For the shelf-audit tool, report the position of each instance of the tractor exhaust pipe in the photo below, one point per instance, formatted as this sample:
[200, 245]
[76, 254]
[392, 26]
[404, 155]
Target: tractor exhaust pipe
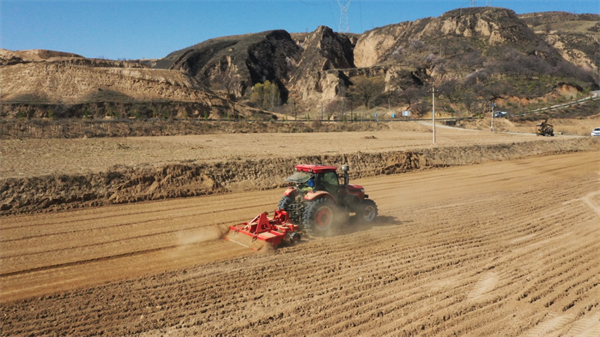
[345, 169]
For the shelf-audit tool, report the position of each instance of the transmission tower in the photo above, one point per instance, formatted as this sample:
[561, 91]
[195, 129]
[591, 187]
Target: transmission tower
[473, 4]
[344, 23]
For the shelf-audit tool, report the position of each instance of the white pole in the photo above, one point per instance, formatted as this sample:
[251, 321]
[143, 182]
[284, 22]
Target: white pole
[321, 110]
[492, 125]
[433, 113]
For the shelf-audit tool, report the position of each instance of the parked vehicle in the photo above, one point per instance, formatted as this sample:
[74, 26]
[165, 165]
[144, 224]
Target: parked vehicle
[544, 129]
[595, 132]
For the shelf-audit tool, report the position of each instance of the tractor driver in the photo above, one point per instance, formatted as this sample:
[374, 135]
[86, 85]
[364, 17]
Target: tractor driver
[310, 185]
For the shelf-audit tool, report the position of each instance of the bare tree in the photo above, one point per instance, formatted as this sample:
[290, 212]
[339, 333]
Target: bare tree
[343, 91]
[412, 95]
[228, 81]
[331, 107]
[422, 108]
[473, 59]
[470, 102]
[416, 45]
[292, 108]
[367, 88]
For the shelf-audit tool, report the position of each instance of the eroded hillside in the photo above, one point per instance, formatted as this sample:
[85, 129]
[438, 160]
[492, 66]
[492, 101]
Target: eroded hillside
[475, 56]
[472, 56]
[41, 83]
[575, 36]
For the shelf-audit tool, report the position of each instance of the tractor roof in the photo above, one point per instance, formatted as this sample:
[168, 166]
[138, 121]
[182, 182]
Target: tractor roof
[315, 168]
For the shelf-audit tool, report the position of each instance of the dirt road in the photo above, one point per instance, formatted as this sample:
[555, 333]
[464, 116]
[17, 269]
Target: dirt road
[503, 248]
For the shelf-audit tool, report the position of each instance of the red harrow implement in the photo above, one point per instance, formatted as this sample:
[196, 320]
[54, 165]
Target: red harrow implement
[262, 230]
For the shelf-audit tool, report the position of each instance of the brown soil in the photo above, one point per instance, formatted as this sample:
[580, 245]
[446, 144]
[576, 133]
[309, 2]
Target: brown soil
[581, 126]
[502, 248]
[52, 174]
[37, 157]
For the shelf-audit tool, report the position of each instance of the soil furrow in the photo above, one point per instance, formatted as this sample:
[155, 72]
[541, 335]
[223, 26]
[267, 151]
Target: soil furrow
[453, 253]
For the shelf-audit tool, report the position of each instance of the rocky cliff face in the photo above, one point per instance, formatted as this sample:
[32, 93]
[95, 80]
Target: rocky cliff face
[302, 64]
[490, 26]
[575, 36]
[236, 63]
[376, 45]
[324, 51]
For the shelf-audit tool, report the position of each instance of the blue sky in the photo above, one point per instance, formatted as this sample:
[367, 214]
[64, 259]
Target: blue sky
[132, 29]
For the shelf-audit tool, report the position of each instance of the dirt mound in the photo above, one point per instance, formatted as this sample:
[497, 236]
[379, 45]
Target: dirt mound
[76, 128]
[132, 184]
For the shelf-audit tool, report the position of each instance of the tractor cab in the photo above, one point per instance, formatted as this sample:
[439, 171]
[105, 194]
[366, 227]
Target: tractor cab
[317, 178]
[320, 198]
[322, 180]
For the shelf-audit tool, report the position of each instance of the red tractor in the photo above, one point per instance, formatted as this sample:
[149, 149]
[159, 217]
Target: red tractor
[318, 201]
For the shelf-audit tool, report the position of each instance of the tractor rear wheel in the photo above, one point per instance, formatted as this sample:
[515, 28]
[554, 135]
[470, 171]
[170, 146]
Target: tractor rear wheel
[286, 204]
[320, 217]
[367, 211]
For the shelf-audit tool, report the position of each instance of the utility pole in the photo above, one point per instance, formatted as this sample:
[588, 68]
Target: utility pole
[321, 110]
[492, 125]
[433, 111]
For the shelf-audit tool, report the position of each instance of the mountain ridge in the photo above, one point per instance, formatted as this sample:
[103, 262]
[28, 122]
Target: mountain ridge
[470, 53]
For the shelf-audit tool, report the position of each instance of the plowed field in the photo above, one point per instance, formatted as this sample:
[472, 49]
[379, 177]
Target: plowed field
[498, 249]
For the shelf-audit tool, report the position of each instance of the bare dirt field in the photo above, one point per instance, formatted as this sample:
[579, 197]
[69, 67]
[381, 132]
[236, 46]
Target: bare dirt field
[507, 248]
[36, 157]
[581, 126]
[46, 175]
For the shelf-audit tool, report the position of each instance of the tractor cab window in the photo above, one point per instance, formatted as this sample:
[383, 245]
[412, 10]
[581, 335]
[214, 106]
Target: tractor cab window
[330, 182]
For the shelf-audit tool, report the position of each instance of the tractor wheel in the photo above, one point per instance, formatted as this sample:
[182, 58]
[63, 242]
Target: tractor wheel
[367, 211]
[285, 204]
[294, 238]
[320, 217]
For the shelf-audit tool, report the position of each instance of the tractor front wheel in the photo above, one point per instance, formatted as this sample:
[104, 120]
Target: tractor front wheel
[367, 211]
[319, 217]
